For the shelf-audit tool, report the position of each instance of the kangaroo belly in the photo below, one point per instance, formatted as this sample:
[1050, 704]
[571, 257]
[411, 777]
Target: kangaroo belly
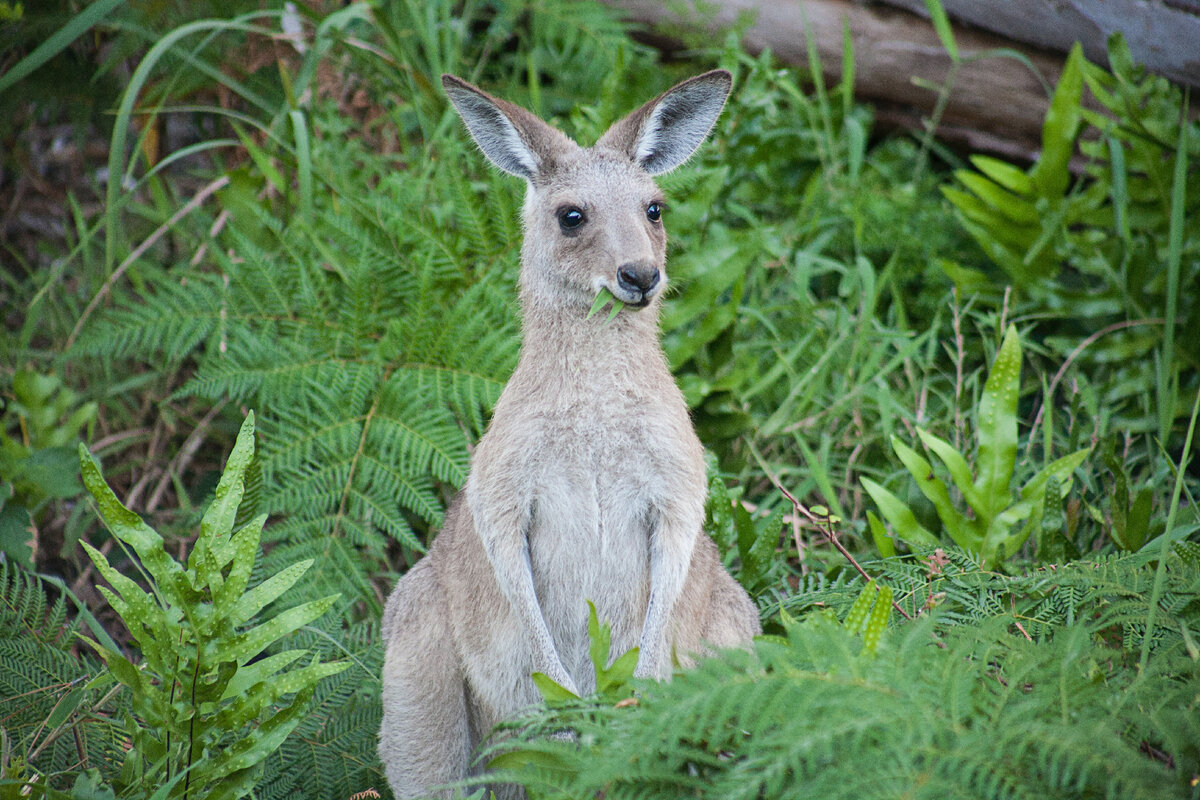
[590, 540]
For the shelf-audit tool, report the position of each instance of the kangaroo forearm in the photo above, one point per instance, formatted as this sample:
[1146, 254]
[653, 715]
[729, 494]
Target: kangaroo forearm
[506, 544]
[671, 548]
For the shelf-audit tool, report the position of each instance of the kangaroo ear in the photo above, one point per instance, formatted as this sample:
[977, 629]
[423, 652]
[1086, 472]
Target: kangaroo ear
[665, 132]
[512, 138]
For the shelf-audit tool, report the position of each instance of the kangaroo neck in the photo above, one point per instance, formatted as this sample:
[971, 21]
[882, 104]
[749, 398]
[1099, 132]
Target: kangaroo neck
[566, 342]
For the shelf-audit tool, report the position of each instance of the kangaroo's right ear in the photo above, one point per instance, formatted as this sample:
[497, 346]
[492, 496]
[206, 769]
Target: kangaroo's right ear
[665, 132]
[512, 138]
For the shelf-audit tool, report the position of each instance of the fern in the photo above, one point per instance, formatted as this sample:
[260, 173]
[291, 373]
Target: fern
[46, 708]
[332, 751]
[985, 713]
[1111, 592]
[1005, 686]
[206, 710]
[376, 341]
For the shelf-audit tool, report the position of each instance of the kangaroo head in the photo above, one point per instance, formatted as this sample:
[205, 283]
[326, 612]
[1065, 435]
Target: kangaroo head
[593, 216]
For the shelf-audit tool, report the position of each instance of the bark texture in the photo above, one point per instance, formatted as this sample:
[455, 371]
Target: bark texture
[998, 101]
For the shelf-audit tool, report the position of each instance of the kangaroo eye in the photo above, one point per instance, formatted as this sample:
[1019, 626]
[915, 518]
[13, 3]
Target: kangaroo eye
[654, 212]
[570, 218]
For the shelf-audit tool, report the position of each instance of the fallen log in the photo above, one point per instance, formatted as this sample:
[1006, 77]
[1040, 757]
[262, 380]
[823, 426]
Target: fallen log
[998, 94]
[1164, 35]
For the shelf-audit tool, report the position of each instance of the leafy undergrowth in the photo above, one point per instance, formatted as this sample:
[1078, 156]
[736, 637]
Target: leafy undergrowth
[937, 709]
[983, 371]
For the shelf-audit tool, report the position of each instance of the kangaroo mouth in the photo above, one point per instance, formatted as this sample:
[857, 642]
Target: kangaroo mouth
[634, 298]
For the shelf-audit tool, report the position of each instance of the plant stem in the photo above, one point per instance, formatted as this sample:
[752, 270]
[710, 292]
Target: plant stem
[824, 526]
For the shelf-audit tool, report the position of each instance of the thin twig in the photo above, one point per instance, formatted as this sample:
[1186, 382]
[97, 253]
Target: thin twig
[1058, 376]
[827, 529]
[960, 357]
[189, 207]
[186, 453]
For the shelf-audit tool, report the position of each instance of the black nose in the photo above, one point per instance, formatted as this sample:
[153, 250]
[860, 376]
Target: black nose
[637, 277]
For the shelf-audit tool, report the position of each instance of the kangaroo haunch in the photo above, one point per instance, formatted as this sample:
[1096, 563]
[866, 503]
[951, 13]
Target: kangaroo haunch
[589, 483]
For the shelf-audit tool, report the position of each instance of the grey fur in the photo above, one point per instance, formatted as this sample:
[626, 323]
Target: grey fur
[589, 483]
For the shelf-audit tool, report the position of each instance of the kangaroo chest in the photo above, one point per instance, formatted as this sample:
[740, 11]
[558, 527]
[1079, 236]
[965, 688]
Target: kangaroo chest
[597, 483]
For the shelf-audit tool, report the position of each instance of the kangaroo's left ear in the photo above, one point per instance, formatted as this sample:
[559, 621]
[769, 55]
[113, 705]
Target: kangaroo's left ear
[665, 132]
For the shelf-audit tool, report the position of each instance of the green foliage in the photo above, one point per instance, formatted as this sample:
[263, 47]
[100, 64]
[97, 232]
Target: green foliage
[603, 298]
[332, 752]
[329, 249]
[754, 540]
[1111, 592]
[377, 337]
[1012, 214]
[612, 680]
[965, 711]
[205, 711]
[1109, 255]
[869, 615]
[47, 707]
[37, 429]
[990, 530]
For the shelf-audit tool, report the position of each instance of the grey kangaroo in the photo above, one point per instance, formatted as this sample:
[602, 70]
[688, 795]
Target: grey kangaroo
[589, 483]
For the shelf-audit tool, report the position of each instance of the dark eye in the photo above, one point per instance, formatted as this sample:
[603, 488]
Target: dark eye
[654, 212]
[570, 218]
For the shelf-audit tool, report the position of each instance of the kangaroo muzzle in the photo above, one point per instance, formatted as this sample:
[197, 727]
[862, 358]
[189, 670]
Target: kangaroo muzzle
[638, 283]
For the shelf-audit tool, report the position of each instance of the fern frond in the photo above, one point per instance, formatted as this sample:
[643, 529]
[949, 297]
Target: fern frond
[39, 673]
[987, 714]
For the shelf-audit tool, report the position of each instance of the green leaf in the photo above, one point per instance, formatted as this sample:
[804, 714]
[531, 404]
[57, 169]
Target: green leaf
[129, 528]
[901, 518]
[256, 744]
[957, 525]
[1061, 468]
[16, 532]
[599, 638]
[1034, 497]
[65, 707]
[1051, 175]
[58, 41]
[262, 695]
[552, 692]
[258, 671]
[255, 640]
[997, 428]
[268, 591]
[1137, 524]
[217, 522]
[52, 471]
[136, 608]
[856, 617]
[244, 547]
[1005, 174]
[883, 541]
[527, 757]
[719, 510]
[1017, 210]
[603, 298]
[877, 622]
[618, 675]
[955, 463]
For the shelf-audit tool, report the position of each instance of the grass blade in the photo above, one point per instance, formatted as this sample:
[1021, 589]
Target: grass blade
[1167, 380]
[941, 24]
[59, 41]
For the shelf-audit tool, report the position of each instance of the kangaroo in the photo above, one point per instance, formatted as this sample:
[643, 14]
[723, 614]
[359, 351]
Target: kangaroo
[589, 483]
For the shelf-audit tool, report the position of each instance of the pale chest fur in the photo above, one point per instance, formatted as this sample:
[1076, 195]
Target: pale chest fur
[598, 457]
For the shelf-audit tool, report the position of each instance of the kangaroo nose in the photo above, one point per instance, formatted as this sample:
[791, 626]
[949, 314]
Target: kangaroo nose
[637, 277]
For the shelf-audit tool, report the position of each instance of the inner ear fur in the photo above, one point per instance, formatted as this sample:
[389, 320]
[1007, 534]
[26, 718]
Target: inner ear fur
[513, 139]
[666, 131]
